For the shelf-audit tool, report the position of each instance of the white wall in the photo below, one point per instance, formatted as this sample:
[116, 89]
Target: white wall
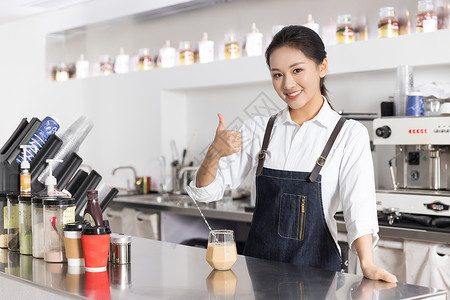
[131, 124]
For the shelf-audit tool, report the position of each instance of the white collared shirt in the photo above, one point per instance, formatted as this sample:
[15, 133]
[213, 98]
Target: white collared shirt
[347, 176]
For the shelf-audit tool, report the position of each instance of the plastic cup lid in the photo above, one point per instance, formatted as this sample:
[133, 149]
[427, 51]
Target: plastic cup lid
[75, 226]
[98, 230]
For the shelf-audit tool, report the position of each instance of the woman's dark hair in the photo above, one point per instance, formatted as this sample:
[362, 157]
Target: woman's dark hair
[303, 39]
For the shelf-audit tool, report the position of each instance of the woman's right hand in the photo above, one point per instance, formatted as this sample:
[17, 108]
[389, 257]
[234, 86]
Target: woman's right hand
[226, 142]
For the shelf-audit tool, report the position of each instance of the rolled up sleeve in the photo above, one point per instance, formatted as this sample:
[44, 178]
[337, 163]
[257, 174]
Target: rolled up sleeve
[357, 187]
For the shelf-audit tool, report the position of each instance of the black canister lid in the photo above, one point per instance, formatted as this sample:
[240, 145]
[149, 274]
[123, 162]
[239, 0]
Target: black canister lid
[2, 196]
[97, 230]
[25, 198]
[57, 201]
[75, 226]
[106, 223]
[36, 200]
[13, 197]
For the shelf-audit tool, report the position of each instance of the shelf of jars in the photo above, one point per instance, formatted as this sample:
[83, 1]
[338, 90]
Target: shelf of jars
[419, 50]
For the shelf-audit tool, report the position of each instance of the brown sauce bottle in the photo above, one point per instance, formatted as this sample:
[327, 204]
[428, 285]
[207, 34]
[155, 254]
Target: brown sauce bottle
[92, 212]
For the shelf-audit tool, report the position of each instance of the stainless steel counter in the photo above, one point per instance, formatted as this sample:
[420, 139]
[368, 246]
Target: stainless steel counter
[183, 204]
[162, 270]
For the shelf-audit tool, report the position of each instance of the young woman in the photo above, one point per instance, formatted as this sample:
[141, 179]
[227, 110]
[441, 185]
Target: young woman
[307, 160]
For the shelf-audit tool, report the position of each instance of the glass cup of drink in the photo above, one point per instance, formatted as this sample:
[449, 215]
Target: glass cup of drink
[221, 253]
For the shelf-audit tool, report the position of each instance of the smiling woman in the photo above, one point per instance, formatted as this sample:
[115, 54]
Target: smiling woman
[307, 160]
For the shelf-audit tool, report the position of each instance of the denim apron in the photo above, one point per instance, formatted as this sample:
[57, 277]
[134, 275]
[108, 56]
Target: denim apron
[288, 223]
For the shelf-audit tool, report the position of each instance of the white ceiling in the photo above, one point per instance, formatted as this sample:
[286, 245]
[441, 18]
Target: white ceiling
[11, 10]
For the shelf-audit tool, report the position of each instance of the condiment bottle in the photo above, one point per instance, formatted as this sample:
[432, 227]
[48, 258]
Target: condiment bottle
[186, 54]
[3, 221]
[388, 24]
[426, 19]
[206, 49]
[25, 175]
[253, 44]
[106, 67]
[145, 60]
[57, 212]
[82, 68]
[92, 213]
[62, 72]
[167, 56]
[232, 48]
[25, 225]
[13, 221]
[311, 24]
[345, 32]
[37, 219]
[122, 62]
[404, 22]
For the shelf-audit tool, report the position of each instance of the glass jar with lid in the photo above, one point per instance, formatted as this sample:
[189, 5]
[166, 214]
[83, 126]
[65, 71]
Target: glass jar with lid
[25, 225]
[345, 32]
[37, 219]
[426, 19]
[57, 212]
[13, 221]
[3, 221]
[186, 54]
[388, 24]
[145, 60]
[232, 48]
[106, 65]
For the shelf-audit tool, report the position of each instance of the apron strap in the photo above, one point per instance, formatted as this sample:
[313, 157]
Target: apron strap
[262, 153]
[323, 157]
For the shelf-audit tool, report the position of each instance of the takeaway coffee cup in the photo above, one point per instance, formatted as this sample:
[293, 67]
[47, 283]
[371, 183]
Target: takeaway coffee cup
[72, 243]
[95, 242]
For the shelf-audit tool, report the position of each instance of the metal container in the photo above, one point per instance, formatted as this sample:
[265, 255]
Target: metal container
[120, 248]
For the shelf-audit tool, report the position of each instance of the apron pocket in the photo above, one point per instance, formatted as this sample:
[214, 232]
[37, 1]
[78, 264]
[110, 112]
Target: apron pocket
[292, 215]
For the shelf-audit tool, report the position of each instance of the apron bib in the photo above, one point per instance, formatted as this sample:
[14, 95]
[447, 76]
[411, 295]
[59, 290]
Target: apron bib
[288, 223]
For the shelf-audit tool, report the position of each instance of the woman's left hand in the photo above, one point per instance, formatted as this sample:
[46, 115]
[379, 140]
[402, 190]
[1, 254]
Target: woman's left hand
[375, 273]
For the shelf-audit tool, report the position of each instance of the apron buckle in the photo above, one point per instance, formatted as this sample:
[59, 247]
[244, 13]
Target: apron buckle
[262, 154]
[321, 160]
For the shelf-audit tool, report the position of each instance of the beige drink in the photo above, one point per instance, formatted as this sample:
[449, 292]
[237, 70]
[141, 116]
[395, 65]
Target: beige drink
[221, 256]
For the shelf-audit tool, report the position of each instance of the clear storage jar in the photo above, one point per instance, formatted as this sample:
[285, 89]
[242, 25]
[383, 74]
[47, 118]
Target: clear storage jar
[37, 220]
[3, 221]
[57, 212]
[388, 24]
[13, 221]
[345, 32]
[25, 225]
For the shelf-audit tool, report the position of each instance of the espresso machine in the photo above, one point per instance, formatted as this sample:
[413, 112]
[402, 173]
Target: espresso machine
[420, 169]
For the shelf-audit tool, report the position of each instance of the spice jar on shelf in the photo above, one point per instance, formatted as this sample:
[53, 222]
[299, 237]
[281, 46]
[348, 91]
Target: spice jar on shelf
[345, 32]
[166, 57]
[25, 225]
[13, 221]
[3, 221]
[232, 48]
[186, 54]
[62, 72]
[388, 24]
[106, 66]
[426, 19]
[205, 49]
[145, 60]
[404, 22]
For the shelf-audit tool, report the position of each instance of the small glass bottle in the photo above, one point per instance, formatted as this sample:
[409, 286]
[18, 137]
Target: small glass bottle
[37, 219]
[232, 48]
[82, 68]
[106, 66]
[57, 212]
[25, 225]
[206, 49]
[311, 24]
[13, 221]
[3, 221]
[253, 43]
[426, 20]
[62, 72]
[388, 24]
[404, 22]
[345, 32]
[145, 60]
[186, 54]
[92, 213]
[166, 57]
[122, 63]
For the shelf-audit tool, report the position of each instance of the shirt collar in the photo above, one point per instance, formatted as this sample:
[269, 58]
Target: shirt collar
[325, 117]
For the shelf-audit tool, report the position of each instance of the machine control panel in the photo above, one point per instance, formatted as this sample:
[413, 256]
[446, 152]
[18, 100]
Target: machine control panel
[412, 130]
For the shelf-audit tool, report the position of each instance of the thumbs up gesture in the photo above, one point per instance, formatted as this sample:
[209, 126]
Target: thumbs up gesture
[226, 142]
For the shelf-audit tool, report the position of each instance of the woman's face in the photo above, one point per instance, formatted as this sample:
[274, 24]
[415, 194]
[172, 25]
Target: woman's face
[296, 78]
